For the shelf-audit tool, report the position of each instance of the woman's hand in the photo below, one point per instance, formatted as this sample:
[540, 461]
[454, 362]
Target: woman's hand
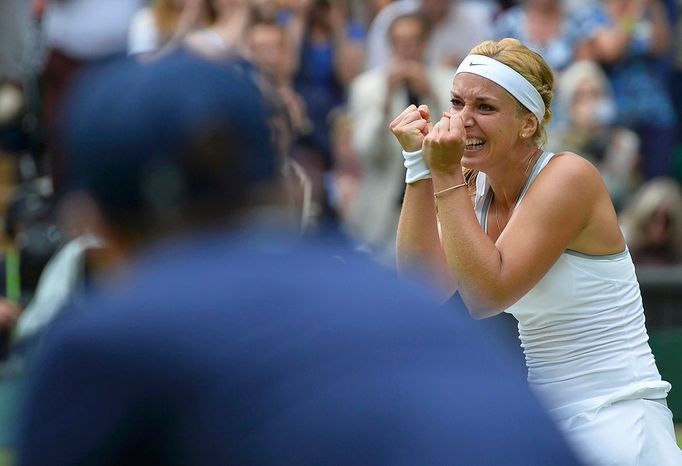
[444, 144]
[411, 126]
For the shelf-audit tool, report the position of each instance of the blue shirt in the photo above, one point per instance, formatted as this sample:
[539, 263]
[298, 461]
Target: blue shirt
[254, 349]
[559, 52]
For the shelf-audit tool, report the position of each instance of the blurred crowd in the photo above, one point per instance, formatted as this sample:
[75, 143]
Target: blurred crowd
[341, 70]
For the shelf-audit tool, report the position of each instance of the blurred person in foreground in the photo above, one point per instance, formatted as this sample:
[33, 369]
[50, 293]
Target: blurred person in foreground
[226, 338]
[76, 33]
[516, 229]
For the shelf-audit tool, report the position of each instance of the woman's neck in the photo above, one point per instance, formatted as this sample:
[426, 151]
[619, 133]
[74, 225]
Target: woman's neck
[508, 182]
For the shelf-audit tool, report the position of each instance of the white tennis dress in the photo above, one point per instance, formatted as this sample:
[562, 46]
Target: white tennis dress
[586, 347]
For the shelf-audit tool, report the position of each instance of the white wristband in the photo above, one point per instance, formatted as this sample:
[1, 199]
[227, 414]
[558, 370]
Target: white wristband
[416, 167]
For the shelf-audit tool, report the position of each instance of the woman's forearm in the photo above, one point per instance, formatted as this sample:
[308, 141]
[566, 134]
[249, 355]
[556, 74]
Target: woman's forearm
[419, 251]
[469, 253]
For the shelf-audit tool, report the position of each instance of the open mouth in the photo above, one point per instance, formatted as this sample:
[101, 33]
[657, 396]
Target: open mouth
[474, 144]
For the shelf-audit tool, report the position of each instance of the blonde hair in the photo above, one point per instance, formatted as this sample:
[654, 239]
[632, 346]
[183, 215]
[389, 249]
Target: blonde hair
[531, 66]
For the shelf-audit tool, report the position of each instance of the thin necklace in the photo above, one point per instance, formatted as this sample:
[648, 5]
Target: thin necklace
[497, 206]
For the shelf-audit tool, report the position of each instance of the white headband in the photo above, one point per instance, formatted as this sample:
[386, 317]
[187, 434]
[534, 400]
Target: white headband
[508, 78]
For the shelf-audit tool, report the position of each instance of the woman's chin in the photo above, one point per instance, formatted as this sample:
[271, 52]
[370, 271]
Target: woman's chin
[470, 162]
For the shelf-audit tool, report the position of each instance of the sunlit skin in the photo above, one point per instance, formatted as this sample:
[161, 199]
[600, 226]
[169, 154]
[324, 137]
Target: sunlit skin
[485, 111]
[568, 206]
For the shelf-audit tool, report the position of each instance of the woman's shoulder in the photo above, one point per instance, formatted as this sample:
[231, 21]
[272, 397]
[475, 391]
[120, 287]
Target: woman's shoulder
[573, 162]
[572, 172]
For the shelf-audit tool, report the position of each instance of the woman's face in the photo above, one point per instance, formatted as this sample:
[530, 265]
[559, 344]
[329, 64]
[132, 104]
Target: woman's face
[491, 120]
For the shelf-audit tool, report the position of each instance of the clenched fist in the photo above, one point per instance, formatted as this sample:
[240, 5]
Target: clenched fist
[411, 126]
[444, 144]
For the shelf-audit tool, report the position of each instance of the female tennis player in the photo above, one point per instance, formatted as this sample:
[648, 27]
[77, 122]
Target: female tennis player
[541, 242]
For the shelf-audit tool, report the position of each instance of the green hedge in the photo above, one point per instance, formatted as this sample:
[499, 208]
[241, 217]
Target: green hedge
[667, 348]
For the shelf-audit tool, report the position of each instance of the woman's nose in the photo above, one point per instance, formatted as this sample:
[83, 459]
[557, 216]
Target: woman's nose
[467, 116]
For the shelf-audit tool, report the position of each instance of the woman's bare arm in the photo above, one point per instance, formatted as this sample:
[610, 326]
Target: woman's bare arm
[556, 213]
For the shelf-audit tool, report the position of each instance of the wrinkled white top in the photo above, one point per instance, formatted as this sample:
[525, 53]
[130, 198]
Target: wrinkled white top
[582, 328]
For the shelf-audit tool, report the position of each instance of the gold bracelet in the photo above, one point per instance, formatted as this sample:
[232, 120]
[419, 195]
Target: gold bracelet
[438, 193]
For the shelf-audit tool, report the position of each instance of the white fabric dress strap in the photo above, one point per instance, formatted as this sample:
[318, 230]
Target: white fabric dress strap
[484, 193]
[540, 163]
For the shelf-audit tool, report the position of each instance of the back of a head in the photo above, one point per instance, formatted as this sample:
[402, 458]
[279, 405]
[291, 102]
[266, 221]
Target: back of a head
[166, 145]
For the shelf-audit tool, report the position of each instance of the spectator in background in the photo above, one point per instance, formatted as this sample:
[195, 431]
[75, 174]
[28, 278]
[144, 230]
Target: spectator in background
[224, 38]
[375, 97]
[30, 238]
[18, 61]
[222, 342]
[268, 48]
[347, 172]
[164, 24]
[634, 46]
[548, 27]
[327, 53]
[328, 43]
[20, 129]
[585, 99]
[372, 9]
[675, 88]
[456, 26]
[266, 10]
[652, 223]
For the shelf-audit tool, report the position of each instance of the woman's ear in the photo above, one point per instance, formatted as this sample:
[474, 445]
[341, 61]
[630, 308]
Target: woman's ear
[529, 126]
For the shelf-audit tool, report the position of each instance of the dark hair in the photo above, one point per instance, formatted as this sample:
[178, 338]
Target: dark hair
[169, 143]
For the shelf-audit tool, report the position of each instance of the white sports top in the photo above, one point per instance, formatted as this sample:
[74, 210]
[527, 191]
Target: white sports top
[582, 327]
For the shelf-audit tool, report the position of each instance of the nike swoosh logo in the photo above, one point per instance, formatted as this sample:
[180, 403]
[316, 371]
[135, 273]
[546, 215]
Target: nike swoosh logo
[475, 64]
